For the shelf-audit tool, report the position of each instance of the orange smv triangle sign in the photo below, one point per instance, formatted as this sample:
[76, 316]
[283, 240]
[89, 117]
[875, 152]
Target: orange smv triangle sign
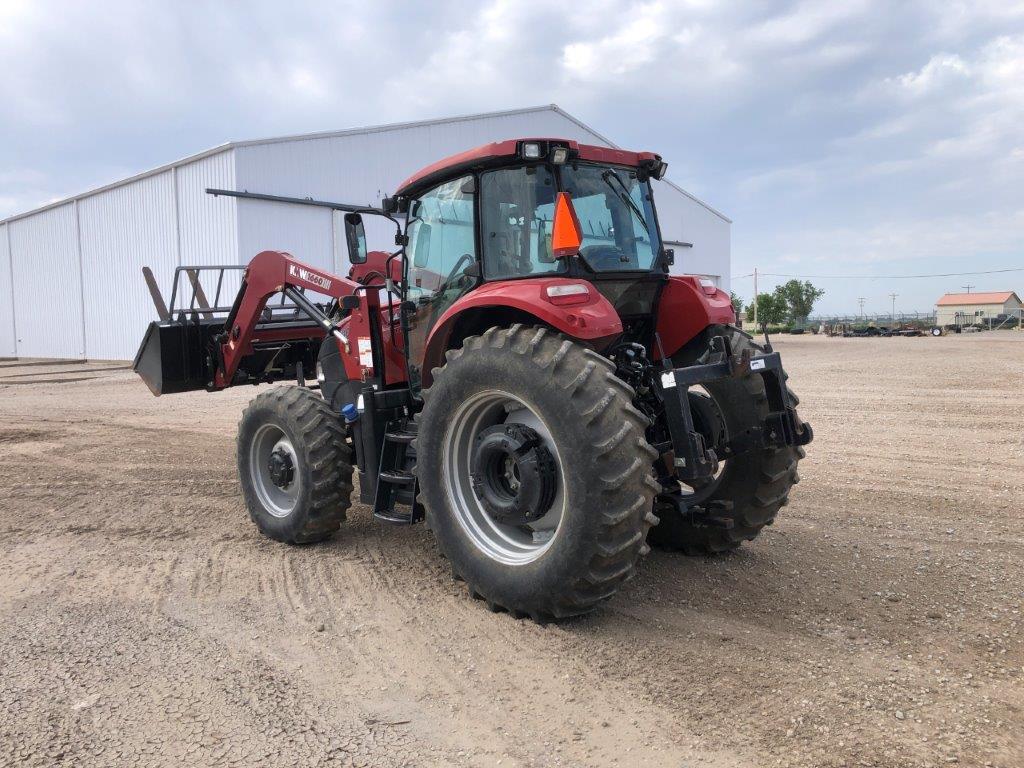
[566, 233]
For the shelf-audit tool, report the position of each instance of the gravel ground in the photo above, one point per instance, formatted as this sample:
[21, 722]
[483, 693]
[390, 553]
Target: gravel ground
[143, 621]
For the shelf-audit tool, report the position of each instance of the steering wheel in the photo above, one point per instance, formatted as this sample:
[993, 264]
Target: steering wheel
[451, 275]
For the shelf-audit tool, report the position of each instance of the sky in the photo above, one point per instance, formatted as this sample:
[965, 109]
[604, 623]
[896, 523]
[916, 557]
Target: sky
[851, 140]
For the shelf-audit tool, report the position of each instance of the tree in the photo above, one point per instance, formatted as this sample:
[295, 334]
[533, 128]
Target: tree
[798, 299]
[771, 309]
[737, 302]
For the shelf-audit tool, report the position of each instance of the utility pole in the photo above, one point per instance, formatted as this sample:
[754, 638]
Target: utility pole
[861, 302]
[968, 287]
[755, 300]
[893, 297]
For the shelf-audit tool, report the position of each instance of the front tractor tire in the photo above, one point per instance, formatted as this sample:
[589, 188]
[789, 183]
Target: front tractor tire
[534, 472]
[751, 488]
[294, 465]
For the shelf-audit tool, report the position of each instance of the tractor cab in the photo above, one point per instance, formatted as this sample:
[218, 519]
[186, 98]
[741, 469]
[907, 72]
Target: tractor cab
[531, 210]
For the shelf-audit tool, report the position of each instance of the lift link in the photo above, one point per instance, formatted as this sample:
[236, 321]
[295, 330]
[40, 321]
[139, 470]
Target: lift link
[692, 458]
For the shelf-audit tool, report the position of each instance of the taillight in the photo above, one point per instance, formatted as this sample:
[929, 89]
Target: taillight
[708, 286]
[573, 293]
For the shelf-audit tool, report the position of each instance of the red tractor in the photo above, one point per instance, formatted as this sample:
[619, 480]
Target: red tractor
[523, 373]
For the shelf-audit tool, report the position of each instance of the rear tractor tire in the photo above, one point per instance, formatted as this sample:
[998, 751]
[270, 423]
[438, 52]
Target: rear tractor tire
[294, 465]
[534, 472]
[750, 488]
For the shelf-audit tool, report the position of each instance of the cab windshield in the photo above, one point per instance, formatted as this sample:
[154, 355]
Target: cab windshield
[614, 208]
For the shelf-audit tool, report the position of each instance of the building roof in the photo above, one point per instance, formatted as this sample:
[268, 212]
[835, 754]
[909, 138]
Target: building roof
[989, 297]
[346, 132]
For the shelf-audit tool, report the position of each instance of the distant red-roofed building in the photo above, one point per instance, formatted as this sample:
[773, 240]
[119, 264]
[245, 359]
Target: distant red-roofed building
[980, 306]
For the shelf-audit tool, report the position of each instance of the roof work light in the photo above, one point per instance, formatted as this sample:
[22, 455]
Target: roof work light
[531, 150]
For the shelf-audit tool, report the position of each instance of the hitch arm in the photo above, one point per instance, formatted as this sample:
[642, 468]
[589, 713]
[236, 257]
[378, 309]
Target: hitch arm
[692, 457]
[272, 272]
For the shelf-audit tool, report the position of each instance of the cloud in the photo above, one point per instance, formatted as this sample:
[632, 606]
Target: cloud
[806, 23]
[634, 44]
[956, 108]
[938, 72]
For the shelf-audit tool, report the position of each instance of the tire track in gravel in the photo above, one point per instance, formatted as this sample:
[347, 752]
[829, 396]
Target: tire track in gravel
[459, 671]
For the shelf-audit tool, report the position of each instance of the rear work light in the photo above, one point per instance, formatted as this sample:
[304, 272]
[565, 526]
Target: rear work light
[559, 155]
[708, 286]
[573, 293]
[531, 150]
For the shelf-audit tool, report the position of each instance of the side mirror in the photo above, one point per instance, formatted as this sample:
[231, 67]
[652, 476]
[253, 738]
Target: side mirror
[355, 237]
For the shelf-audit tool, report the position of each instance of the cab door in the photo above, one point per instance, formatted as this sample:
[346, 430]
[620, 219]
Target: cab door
[441, 248]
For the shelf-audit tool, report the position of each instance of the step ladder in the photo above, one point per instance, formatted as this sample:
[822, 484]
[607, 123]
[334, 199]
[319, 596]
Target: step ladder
[396, 478]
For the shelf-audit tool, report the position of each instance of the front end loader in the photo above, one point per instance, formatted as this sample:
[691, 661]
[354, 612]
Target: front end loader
[522, 372]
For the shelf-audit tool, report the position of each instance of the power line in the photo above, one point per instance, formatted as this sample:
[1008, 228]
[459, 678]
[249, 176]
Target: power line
[883, 277]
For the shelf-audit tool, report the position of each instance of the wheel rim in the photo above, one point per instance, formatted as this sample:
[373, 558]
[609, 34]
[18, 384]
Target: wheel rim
[277, 494]
[509, 544]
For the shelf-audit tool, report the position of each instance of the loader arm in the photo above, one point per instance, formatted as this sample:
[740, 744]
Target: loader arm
[272, 272]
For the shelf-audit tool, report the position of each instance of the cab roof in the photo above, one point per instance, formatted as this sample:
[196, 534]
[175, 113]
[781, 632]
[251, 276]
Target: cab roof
[488, 154]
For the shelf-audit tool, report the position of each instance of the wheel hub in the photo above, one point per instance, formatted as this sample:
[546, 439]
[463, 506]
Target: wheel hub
[281, 467]
[513, 474]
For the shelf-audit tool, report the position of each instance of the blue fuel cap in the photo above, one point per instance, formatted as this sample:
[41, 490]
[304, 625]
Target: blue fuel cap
[350, 412]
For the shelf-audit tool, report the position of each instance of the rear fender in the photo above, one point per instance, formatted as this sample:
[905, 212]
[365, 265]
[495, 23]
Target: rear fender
[593, 322]
[685, 310]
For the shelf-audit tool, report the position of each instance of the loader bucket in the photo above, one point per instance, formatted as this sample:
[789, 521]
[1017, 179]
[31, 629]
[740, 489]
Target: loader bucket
[182, 351]
[173, 357]
[175, 352]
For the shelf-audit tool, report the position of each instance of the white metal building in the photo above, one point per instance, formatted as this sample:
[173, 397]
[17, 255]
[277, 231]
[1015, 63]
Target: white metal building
[72, 269]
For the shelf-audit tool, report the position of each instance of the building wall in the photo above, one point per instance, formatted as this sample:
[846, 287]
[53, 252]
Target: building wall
[685, 220]
[208, 225]
[946, 315]
[122, 230]
[86, 258]
[7, 346]
[47, 284]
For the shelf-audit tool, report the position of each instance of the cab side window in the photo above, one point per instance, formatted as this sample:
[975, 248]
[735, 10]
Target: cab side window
[441, 238]
[442, 246]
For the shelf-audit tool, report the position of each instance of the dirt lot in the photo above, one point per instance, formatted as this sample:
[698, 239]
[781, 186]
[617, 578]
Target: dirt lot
[143, 621]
